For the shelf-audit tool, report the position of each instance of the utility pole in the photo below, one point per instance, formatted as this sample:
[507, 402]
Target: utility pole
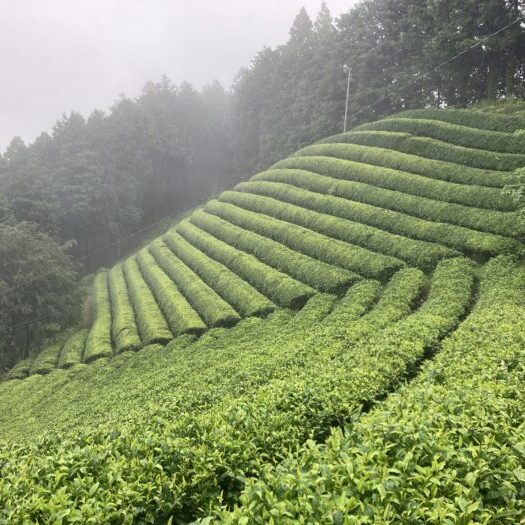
[348, 70]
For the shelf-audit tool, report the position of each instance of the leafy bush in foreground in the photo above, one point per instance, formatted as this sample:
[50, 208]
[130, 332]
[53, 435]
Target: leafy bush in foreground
[161, 466]
[447, 448]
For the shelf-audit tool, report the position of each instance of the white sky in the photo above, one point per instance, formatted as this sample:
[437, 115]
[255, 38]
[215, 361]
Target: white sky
[63, 55]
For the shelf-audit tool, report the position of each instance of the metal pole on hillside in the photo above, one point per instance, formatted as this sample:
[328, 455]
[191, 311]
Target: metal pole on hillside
[348, 70]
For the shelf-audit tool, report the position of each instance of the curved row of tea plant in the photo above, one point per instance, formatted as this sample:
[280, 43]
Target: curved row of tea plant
[411, 163]
[413, 252]
[432, 149]
[300, 265]
[302, 240]
[237, 292]
[385, 201]
[470, 118]
[472, 196]
[338, 201]
[497, 141]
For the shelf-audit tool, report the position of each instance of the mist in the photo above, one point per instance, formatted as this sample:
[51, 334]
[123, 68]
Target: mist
[64, 55]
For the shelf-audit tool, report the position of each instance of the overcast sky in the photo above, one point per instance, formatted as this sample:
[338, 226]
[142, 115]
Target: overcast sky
[63, 55]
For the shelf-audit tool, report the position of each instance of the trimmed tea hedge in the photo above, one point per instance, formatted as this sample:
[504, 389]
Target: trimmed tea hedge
[491, 221]
[73, 349]
[203, 299]
[124, 328]
[151, 323]
[470, 118]
[397, 301]
[282, 289]
[452, 133]
[432, 148]
[418, 253]
[181, 317]
[21, 370]
[98, 343]
[434, 169]
[300, 240]
[47, 360]
[334, 200]
[237, 292]
[473, 196]
[317, 274]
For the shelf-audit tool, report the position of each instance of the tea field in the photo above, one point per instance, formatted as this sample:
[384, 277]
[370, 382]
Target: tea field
[339, 339]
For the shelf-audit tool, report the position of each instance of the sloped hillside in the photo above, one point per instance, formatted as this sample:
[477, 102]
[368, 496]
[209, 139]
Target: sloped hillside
[407, 191]
[339, 339]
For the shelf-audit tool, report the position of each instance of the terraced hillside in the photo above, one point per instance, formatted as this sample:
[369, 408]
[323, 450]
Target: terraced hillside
[407, 191]
[339, 339]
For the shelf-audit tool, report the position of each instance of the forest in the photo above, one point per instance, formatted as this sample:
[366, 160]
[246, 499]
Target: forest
[73, 200]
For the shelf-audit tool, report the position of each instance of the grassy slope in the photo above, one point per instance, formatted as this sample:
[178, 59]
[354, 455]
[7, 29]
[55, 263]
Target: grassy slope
[185, 430]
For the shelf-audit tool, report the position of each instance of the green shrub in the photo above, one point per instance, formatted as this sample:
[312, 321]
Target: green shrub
[21, 370]
[282, 289]
[470, 118]
[422, 254]
[151, 324]
[317, 274]
[203, 299]
[73, 349]
[237, 292]
[349, 200]
[473, 196]
[301, 240]
[179, 314]
[399, 297]
[98, 342]
[432, 149]
[47, 360]
[411, 163]
[124, 328]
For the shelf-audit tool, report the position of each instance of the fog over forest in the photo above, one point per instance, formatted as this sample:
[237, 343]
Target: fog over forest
[62, 55]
